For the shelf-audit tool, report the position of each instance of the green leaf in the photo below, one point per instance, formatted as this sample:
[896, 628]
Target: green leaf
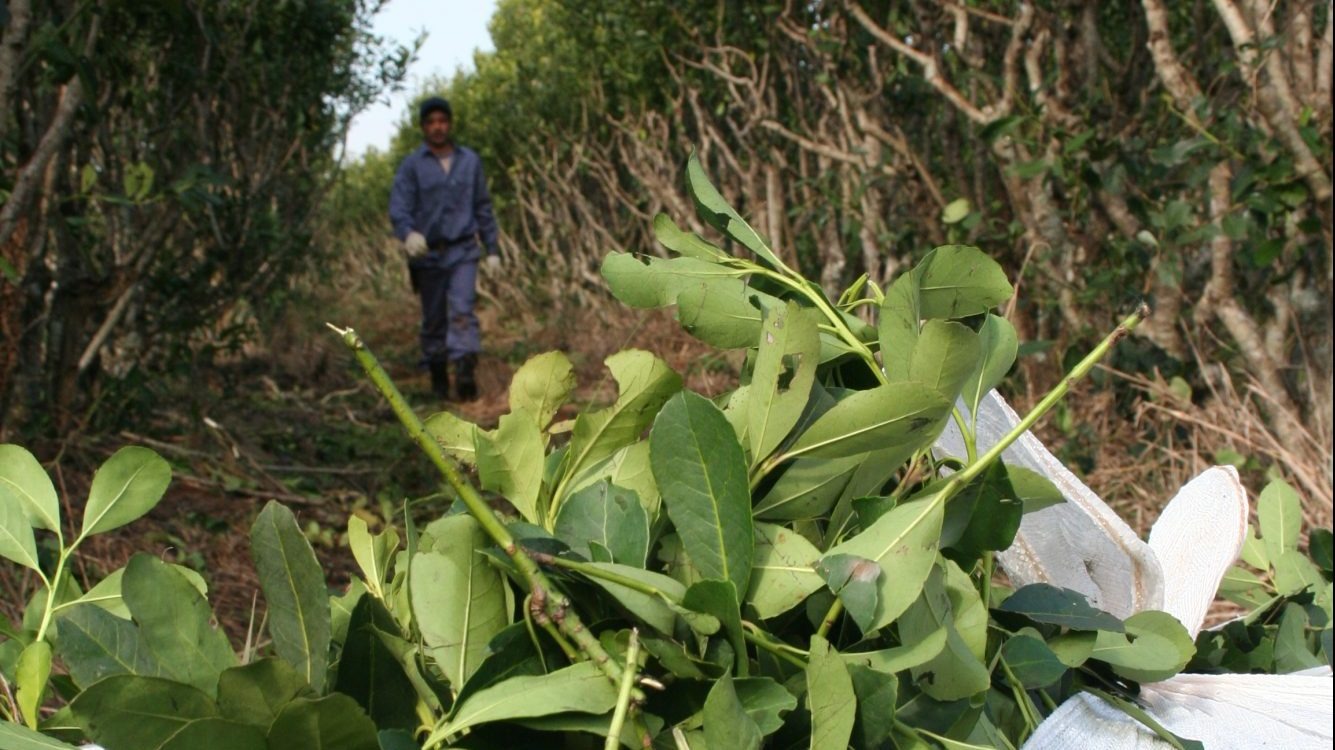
[726, 724]
[765, 701]
[1154, 647]
[216, 734]
[955, 211]
[590, 724]
[949, 601]
[701, 473]
[1034, 490]
[1294, 572]
[652, 610]
[944, 356]
[628, 468]
[1045, 603]
[30, 675]
[107, 592]
[853, 579]
[16, 537]
[255, 693]
[369, 673]
[904, 543]
[510, 460]
[1029, 169]
[95, 643]
[727, 314]
[808, 487]
[18, 737]
[645, 383]
[1280, 513]
[716, 212]
[1031, 661]
[689, 244]
[334, 721]
[24, 478]
[877, 694]
[784, 573]
[126, 711]
[830, 698]
[896, 414]
[374, 553]
[998, 347]
[1292, 653]
[956, 281]
[899, 325]
[542, 386]
[1074, 647]
[897, 659]
[648, 282]
[454, 435]
[984, 516]
[781, 379]
[581, 688]
[458, 600]
[174, 624]
[1253, 551]
[718, 599]
[295, 590]
[124, 488]
[1319, 548]
[513, 653]
[607, 515]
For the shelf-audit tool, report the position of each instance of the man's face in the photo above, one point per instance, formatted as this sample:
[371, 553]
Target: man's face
[436, 129]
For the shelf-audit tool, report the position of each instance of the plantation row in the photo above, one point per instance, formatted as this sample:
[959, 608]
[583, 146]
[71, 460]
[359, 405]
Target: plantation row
[808, 560]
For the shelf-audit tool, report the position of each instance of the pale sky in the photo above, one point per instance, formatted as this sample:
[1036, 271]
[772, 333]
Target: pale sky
[455, 29]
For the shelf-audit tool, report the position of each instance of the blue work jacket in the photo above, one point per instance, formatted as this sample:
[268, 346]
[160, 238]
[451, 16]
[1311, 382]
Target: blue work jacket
[444, 208]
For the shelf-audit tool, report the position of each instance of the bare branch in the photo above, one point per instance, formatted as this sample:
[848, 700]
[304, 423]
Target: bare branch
[931, 70]
[57, 133]
[1274, 94]
[1179, 82]
[1324, 58]
[11, 49]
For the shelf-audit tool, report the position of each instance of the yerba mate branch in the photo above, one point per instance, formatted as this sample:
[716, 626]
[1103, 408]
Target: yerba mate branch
[963, 477]
[554, 604]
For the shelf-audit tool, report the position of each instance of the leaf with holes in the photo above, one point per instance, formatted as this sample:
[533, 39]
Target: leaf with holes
[781, 379]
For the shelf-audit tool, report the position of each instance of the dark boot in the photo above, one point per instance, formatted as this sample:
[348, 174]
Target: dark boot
[440, 380]
[463, 372]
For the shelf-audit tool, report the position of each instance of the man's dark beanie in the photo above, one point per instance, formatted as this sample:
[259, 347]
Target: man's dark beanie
[434, 104]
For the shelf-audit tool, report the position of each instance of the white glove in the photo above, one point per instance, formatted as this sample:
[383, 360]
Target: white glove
[493, 263]
[415, 245]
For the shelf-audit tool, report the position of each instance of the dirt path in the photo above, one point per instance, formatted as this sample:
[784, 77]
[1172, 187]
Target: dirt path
[295, 421]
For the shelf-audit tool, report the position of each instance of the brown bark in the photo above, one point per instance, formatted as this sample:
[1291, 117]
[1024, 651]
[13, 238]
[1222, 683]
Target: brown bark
[53, 140]
[1220, 301]
[1274, 94]
[11, 53]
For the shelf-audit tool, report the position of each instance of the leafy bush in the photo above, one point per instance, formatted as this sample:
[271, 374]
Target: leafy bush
[799, 562]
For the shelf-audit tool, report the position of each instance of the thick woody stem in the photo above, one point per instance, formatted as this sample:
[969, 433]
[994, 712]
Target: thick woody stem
[1222, 302]
[1274, 94]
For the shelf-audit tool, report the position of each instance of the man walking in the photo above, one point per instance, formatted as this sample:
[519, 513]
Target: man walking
[439, 205]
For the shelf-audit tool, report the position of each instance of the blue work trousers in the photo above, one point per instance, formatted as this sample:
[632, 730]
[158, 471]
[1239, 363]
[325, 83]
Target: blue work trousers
[446, 280]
